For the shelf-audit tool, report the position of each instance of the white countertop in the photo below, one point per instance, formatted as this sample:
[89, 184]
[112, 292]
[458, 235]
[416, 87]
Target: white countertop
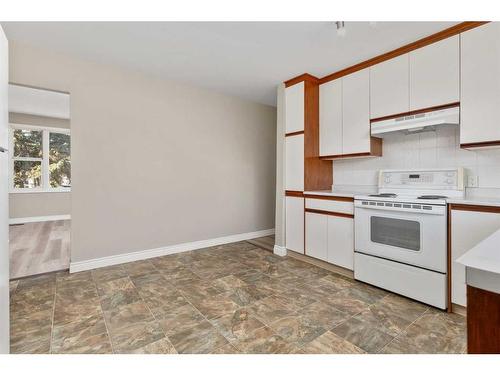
[485, 256]
[481, 201]
[335, 193]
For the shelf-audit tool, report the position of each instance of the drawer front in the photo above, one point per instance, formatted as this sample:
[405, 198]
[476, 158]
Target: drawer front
[330, 205]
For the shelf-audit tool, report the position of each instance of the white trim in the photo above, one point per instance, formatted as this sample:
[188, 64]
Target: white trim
[51, 129]
[34, 191]
[161, 251]
[280, 250]
[36, 219]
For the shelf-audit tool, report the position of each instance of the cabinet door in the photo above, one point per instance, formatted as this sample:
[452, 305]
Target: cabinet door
[389, 87]
[467, 230]
[294, 108]
[480, 84]
[330, 118]
[294, 162]
[317, 236]
[356, 112]
[294, 224]
[435, 74]
[341, 241]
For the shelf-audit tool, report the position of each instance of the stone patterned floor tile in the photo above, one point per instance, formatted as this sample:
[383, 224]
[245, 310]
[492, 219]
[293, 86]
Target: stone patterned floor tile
[364, 334]
[30, 333]
[162, 346]
[215, 306]
[233, 298]
[199, 339]
[108, 273]
[238, 325]
[85, 336]
[298, 329]
[326, 315]
[264, 341]
[226, 349]
[330, 343]
[270, 309]
[117, 292]
[179, 319]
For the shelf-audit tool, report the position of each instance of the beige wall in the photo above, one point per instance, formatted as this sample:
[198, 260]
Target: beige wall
[155, 163]
[38, 204]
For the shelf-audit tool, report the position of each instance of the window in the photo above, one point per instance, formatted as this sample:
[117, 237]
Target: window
[41, 159]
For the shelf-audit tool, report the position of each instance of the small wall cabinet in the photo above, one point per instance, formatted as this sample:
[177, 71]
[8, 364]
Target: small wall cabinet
[330, 118]
[435, 74]
[344, 113]
[480, 86]
[294, 108]
[390, 87]
[468, 228]
[294, 227]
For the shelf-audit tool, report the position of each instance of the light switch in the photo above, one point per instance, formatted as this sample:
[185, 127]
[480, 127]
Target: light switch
[473, 181]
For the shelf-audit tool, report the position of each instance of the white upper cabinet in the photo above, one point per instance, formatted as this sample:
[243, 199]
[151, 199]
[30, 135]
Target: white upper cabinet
[480, 84]
[435, 74]
[390, 87]
[330, 118]
[356, 112]
[294, 108]
[294, 162]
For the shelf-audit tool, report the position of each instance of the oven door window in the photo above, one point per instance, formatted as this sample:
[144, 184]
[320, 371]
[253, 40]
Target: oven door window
[395, 232]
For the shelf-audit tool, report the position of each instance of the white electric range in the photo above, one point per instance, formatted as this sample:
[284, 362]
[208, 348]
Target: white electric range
[401, 232]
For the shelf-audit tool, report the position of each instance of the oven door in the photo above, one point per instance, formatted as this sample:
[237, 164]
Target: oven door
[413, 238]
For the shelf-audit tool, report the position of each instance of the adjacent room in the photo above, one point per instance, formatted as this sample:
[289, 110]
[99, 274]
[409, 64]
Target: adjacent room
[164, 191]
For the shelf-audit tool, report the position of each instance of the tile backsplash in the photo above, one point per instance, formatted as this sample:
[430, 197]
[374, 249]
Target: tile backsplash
[434, 149]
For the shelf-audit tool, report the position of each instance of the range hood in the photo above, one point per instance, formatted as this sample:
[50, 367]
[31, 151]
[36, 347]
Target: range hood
[415, 123]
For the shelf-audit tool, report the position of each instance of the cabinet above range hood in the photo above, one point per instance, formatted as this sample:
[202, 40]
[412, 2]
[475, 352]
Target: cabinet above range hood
[415, 123]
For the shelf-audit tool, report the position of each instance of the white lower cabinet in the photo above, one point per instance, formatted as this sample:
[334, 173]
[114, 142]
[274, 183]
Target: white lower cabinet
[468, 228]
[317, 236]
[341, 241]
[330, 238]
[294, 227]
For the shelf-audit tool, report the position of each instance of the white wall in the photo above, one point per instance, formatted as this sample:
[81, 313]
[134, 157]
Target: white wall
[156, 163]
[423, 150]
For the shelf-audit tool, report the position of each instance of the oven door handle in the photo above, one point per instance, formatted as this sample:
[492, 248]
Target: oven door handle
[436, 210]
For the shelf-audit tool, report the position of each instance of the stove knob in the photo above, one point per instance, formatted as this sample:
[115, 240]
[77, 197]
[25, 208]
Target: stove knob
[449, 181]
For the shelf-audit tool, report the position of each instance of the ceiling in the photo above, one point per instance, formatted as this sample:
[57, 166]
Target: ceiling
[245, 59]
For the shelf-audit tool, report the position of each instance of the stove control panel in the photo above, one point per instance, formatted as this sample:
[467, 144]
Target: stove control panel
[449, 179]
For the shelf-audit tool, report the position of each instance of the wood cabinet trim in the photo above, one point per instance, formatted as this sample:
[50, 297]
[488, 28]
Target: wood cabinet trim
[483, 321]
[480, 144]
[300, 132]
[375, 150]
[433, 38]
[301, 78]
[294, 193]
[417, 111]
[329, 198]
[331, 213]
[473, 208]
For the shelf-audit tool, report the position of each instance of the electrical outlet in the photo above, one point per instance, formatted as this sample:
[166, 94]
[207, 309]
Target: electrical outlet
[472, 181]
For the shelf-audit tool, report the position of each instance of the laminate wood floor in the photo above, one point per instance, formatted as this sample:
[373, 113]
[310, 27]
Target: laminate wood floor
[37, 248]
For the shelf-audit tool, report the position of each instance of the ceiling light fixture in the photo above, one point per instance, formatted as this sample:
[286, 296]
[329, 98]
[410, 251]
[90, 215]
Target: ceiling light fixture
[340, 28]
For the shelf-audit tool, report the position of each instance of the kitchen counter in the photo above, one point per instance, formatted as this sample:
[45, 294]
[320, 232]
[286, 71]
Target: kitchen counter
[338, 193]
[479, 201]
[482, 264]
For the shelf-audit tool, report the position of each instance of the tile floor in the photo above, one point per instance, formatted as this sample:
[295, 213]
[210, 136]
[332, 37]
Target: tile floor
[234, 298]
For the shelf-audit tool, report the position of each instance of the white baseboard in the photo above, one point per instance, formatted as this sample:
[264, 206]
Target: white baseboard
[36, 219]
[280, 250]
[173, 249]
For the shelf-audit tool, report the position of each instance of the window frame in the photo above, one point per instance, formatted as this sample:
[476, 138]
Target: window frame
[45, 185]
